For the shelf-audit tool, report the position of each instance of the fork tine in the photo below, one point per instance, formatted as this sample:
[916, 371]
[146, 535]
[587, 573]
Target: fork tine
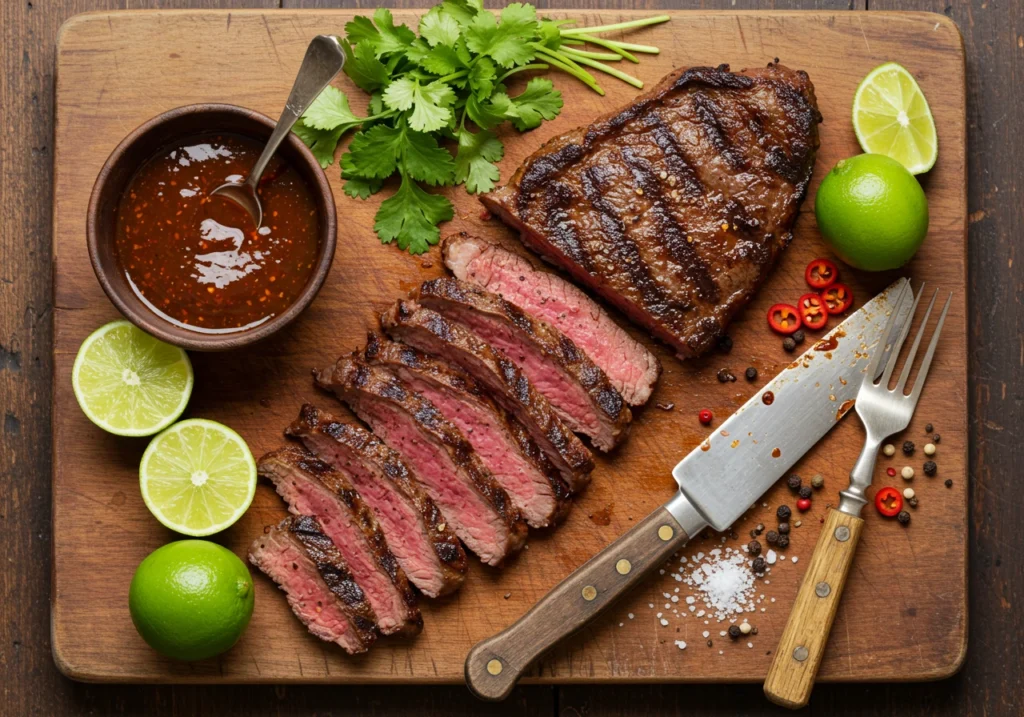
[923, 373]
[905, 373]
[902, 337]
[890, 326]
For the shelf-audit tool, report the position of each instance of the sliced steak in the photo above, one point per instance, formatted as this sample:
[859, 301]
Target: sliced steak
[479, 509]
[502, 443]
[311, 487]
[676, 207]
[577, 389]
[429, 331]
[320, 588]
[418, 534]
[631, 368]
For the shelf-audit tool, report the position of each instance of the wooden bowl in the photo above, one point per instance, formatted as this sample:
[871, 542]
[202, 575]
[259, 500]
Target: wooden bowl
[145, 142]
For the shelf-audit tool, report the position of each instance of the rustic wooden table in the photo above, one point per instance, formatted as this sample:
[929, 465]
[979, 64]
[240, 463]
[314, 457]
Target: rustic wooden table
[989, 683]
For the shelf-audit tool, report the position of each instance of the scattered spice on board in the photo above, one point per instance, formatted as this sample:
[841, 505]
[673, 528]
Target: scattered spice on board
[949, 483]
[772, 537]
[783, 528]
[751, 373]
[754, 548]
[798, 336]
[794, 482]
[929, 449]
[907, 473]
[788, 344]
[936, 438]
[783, 512]
[783, 542]
[908, 448]
[726, 376]
[817, 481]
[666, 406]
[903, 517]
[889, 449]
[928, 428]
[930, 468]
[890, 471]
[805, 491]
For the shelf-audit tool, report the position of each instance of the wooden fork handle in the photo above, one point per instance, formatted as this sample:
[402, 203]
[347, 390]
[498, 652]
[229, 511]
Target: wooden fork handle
[494, 665]
[791, 676]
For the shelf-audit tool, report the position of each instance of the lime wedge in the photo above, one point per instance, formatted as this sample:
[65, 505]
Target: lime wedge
[129, 383]
[198, 477]
[891, 117]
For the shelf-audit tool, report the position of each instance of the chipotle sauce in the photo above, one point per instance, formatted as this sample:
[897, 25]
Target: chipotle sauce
[199, 261]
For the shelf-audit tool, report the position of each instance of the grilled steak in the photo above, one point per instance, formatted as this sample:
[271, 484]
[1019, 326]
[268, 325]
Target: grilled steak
[675, 208]
[429, 331]
[320, 589]
[579, 392]
[424, 545]
[311, 487]
[502, 443]
[479, 509]
[631, 368]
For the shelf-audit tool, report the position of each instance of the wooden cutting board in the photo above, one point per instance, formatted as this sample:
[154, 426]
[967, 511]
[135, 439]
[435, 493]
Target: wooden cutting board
[904, 613]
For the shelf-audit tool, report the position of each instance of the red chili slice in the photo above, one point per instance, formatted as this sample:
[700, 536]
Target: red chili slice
[783, 319]
[812, 311]
[821, 273]
[837, 298]
[888, 501]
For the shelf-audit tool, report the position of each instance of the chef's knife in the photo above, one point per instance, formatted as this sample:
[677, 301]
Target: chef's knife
[718, 481]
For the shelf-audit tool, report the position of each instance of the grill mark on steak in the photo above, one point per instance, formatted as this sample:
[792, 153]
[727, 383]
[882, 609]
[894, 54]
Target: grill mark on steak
[548, 166]
[708, 113]
[483, 516]
[431, 332]
[556, 198]
[675, 158]
[423, 543]
[311, 487]
[577, 389]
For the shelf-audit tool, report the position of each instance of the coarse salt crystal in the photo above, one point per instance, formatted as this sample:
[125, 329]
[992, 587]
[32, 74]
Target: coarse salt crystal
[680, 644]
[630, 616]
[795, 558]
[706, 634]
[770, 557]
[664, 622]
[690, 599]
[750, 644]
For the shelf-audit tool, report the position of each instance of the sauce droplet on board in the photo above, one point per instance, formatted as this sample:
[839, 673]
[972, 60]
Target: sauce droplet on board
[845, 408]
[767, 398]
[776, 453]
[603, 516]
[827, 344]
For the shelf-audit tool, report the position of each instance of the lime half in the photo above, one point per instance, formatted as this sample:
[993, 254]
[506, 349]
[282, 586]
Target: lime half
[198, 477]
[891, 117]
[128, 382]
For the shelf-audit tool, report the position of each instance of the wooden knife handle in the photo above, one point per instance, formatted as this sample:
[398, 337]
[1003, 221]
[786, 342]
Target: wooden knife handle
[494, 665]
[791, 676]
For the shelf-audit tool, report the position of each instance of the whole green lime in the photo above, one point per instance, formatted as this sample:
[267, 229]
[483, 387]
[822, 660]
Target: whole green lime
[191, 599]
[872, 212]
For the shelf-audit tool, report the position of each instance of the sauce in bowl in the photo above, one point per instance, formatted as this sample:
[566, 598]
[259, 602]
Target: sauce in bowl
[198, 261]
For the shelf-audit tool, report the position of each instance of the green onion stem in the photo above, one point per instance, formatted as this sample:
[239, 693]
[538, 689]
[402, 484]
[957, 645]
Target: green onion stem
[534, 66]
[611, 71]
[567, 65]
[617, 45]
[608, 56]
[613, 46]
[632, 24]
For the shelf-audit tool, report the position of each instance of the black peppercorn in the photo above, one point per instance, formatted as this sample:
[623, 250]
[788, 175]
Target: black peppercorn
[794, 482]
[789, 344]
[936, 438]
[772, 537]
[949, 483]
[725, 344]
[760, 528]
[912, 502]
[759, 565]
[783, 512]
[751, 373]
[928, 428]
[783, 542]
[805, 491]
[710, 643]
[903, 517]
[754, 548]
[908, 448]
[798, 336]
[734, 632]
[930, 468]
[783, 528]
[725, 376]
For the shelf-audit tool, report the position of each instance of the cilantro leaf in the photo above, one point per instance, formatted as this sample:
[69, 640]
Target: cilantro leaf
[411, 216]
[321, 143]
[330, 111]
[440, 60]
[508, 43]
[374, 153]
[425, 160]
[362, 65]
[490, 113]
[474, 161]
[539, 101]
[439, 28]
[361, 28]
[429, 103]
[391, 38]
[359, 188]
[482, 76]
[463, 10]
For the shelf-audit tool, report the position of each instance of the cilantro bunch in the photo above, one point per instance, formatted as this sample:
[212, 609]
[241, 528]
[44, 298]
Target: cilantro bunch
[445, 88]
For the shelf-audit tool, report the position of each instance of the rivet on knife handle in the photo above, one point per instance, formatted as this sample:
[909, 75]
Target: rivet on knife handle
[494, 665]
[791, 676]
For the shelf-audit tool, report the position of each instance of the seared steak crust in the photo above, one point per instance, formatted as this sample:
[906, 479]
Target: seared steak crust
[675, 208]
[631, 368]
[577, 389]
[312, 487]
[484, 516]
[424, 545]
[500, 440]
[429, 331]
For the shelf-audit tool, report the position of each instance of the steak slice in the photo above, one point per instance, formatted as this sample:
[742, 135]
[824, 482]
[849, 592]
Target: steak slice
[424, 545]
[311, 487]
[429, 331]
[676, 207]
[579, 392]
[632, 369]
[502, 443]
[321, 591]
[483, 515]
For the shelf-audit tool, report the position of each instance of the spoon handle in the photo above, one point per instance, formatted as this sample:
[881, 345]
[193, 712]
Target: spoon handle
[324, 59]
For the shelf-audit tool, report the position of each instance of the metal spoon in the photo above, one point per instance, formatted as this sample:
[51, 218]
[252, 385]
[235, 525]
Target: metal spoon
[324, 59]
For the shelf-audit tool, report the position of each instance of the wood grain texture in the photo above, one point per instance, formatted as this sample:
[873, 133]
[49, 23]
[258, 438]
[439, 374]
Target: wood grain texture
[103, 530]
[988, 684]
[791, 675]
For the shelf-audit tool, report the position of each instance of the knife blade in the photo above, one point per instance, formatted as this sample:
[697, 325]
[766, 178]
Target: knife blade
[718, 481]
